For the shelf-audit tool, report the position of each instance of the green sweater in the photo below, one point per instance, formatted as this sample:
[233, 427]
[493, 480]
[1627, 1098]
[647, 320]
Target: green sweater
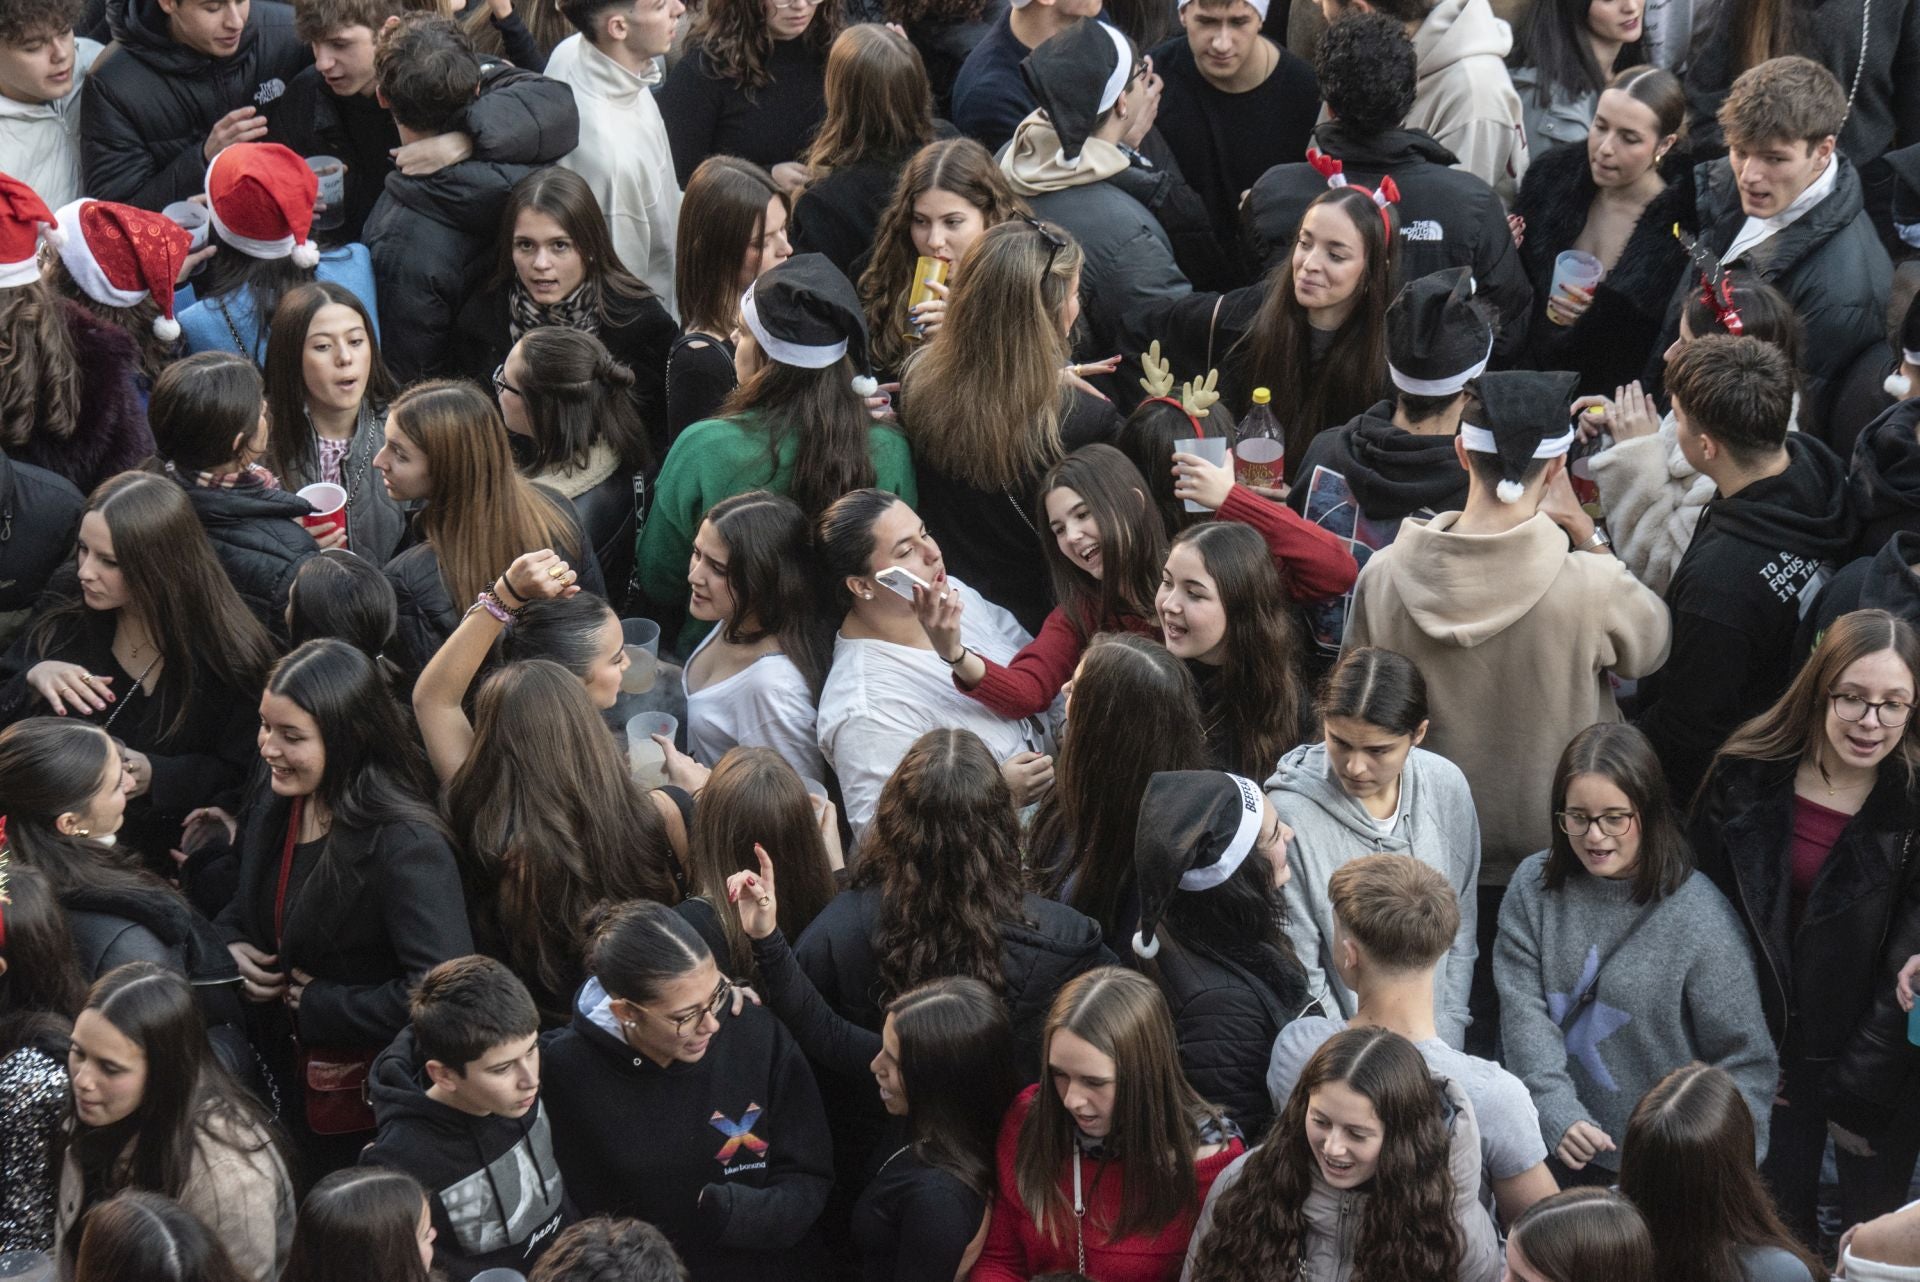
[716, 459]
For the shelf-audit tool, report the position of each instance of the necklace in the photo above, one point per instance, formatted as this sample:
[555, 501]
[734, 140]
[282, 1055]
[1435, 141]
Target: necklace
[139, 684]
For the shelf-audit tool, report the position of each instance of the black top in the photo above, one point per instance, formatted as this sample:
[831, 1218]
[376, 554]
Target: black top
[990, 96]
[709, 115]
[256, 533]
[39, 517]
[700, 376]
[1883, 581]
[838, 215]
[914, 1221]
[1393, 473]
[1883, 478]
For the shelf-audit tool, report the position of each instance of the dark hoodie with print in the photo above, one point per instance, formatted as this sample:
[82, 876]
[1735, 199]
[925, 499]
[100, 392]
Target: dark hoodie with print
[1883, 480]
[493, 1188]
[1757, 560]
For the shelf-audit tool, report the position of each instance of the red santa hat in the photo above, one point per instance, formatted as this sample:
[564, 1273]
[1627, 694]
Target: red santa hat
[25, 221]
[119, 255]
[261, 196]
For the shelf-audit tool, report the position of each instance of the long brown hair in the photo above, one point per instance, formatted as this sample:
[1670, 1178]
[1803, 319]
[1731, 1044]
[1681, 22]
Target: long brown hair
[754, 796]
[211, 643]
[1623, 756]
[1406, 1232]
[774, 577]
[1133, 542]
[564, 196]
[292, 451]
[1310, 396]
[39, 373]
[482, 512]
[983, 404]
[826, 418]
[879, 103]
[156, 353]
[734, 36]
[1687, 1162]
[944, 849]
[722, 213]
[959, 165]
[1584, 1235]
[1157, 1116]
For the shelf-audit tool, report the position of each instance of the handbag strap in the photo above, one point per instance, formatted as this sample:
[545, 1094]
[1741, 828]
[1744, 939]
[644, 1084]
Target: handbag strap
[1212, 322]
[1591, 993]
[286, 874]
[1079, 1216]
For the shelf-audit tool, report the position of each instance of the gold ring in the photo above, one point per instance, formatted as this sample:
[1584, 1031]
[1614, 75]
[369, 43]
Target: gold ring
[556, 571]
[765, 900]
[87, 677]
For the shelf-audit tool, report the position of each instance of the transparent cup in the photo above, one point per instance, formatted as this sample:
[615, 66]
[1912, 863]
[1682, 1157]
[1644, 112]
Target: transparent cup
[647, 760]
[641, 640]
[1211, 448]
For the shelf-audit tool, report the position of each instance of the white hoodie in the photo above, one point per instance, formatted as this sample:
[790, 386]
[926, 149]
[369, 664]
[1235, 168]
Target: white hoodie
[1465, 97]
[40, 142]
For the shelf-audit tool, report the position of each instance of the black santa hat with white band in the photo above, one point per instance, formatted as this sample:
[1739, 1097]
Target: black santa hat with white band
[1437, 339]
[1076, 76]
[1524, 419]
[1196, 828]
[1897, 384]
[805, 313]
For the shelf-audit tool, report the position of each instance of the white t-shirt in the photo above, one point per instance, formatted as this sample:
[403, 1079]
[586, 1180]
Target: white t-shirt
[764, 705]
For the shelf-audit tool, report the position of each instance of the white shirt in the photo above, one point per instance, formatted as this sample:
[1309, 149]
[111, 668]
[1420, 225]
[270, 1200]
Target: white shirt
[1756, 230]
[40, 142]
[764, 705]
[880, 697]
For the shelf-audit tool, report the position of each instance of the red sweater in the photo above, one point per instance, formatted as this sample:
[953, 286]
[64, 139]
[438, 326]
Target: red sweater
[1015, 1250]
[1314, 565]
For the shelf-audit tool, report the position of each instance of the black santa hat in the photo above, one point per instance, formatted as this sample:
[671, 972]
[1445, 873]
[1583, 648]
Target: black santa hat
[805, 312]
[1196, 828]
[1905, 164]
[1524, 418]
[1437, 339]
[1898, 385]
[1075, 75]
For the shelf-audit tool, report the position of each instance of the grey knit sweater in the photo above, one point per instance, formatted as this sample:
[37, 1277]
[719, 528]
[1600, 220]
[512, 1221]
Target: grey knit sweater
[1682, 988]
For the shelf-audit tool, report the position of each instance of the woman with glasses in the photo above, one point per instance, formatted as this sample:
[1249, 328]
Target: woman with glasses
[1806, 823]
[676, 1103]
[1617, 962]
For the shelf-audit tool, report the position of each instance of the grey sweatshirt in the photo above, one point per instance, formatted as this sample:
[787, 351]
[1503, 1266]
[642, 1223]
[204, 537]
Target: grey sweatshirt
[1436, 824]
[1683, 988]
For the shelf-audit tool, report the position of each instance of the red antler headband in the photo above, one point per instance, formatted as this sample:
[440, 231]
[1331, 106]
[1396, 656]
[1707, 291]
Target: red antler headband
[1385, 196]
[1716, 285]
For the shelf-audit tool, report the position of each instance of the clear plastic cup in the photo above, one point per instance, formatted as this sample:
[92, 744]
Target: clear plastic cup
[195, 217]
[642, 644]
[1577, 268]
[1211, 448]
[332, 173]
[647, 760]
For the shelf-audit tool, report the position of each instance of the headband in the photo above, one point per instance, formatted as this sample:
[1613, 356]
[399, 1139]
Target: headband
[1122, 70]
[1481, 441]
[1238, 849]
[1440, 386]
[1385, 196]
[1716, 288]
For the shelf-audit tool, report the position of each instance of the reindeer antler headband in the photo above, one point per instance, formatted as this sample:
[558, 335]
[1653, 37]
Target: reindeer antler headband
[1716, 285]
[1385, 196]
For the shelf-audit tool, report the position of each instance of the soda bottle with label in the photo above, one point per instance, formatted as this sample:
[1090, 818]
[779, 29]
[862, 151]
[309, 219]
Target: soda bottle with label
[1260, 455]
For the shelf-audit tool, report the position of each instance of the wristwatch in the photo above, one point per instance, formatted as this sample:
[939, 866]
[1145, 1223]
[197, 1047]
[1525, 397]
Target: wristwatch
[1595, 542]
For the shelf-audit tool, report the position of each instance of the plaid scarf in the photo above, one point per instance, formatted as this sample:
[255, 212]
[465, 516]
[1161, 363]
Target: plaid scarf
[578, 310]
[251, 477]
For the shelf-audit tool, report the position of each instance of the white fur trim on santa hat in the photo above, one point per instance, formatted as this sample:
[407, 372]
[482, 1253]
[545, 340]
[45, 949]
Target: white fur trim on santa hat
[77, 254]
[27, 270]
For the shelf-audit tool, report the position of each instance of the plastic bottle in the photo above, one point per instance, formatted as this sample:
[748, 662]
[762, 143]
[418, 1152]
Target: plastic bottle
[1261, 454]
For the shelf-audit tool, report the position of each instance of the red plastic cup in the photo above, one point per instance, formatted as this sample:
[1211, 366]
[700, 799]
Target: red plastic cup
[329, 503]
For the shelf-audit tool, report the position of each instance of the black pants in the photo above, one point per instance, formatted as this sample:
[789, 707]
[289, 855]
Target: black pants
[1483, 1003]
[1869, 1186]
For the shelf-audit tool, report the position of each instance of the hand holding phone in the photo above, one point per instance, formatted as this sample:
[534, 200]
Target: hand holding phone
[901, 580]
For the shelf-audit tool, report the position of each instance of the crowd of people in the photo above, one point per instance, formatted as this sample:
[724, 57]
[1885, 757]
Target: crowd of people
[784, 640]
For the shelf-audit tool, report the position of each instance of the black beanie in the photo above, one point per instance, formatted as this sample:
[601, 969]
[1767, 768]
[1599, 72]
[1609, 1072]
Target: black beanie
[1524, 417]
[1073, 77]
[806, 313]
[1196, 828]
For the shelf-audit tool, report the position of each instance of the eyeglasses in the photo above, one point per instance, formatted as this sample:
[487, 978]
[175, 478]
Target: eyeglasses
[1851, 707]
[797, 4]
[1055, 243]
[500, 383]
[1614, 823]
[721, 996]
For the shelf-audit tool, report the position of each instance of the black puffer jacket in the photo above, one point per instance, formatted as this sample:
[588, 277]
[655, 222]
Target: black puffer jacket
[1827, 987]
[1883, 480]
[1224, 1019]
[261, 544]
[150, 101]
[39, 516]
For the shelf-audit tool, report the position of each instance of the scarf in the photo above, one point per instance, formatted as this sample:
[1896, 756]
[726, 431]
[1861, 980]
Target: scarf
[578, 310]
[251, 477]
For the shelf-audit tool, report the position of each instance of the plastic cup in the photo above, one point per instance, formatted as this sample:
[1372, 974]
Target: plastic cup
[642, 644]
[332, 173]
[329, 503]
[500, 1275]
[196, 218]
[26, 1266]
[1577, 268]
[647, 760]
[1211, 448]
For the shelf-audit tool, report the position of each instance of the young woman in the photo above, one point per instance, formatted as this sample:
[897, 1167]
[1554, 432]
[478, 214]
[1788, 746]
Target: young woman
[797, 424]
[446, 446]
[136, 311]
[153, 1110]
[1210, 875]
[365, 1220]
[887, 686]
[1688, 1170]
[751, 84]
[989, 411]
[1804, 824]
[947, 196]
[340, 594]
[265, 250]
[1104, 1164]
[879, 113]
[1223, 611]
[1567, 55]
[157, 648]
[145, 1237]
[1589, 928]
[1368, 788]
[349, 890]
[1104, 550]
[1147, 438]
[755, 679]
[327, 395]
[209, 420]
[733, 226]
[1581, 1235]
[1372, 1171]
[1611, 199]
[737, 1167]
[569, 407]
[557, 267]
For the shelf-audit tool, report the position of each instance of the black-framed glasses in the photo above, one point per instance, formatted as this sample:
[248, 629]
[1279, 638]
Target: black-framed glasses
[721, 996]
[1055, 243]
[1851, 707]
[1614, 823]
[500, 383]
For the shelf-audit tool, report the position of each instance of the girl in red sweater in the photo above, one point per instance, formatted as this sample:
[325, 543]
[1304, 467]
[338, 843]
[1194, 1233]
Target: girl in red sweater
[1103, 1166]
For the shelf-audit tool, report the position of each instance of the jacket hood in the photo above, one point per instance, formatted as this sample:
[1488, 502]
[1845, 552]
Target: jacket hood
[1804, 508]
[580, 63]
[1390, 149]
[1464, 589]
[142, 25]
[1307, 774]
[470, 194]
[218, 506]
[1460, 29]
[1394, 472]
[398, 1087]
[1885, 477]
[1034, 165]
[1891, 583]
[172, 921]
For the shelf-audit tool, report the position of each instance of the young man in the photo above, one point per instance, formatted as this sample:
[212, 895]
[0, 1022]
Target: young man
[990, 98]
[1394, 918]
[1465, 97]
[1778, 524]
[186, 79]
[457, 1099]
[1365, 64]
[42, 68]
[432, 236]
[612, 66]
[1788, 208]
[1234, 104]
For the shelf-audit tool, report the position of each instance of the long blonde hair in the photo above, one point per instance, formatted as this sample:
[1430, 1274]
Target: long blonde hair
[982, 403]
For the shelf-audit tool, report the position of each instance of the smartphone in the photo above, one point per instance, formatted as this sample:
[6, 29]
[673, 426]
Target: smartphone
[902, 580]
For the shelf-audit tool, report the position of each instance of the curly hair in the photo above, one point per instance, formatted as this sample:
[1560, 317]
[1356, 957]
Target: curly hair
[734, 36]
[22, 21]
[1406, 1232]
[40, 389]
[604, 1249]
[1367, 71]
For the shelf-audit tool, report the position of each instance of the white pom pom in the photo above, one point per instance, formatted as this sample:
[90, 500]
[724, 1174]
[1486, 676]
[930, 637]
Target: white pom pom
[1898, 385]
[166, 328]
[866, 386]
[306, 254]
[1509, 491]
[1144, 948]
[53, 234]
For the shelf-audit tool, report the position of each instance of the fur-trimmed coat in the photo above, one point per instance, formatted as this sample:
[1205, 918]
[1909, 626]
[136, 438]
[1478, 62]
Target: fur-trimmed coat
[111, 434]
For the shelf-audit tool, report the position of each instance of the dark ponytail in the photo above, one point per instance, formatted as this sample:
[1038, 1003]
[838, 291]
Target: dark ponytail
[1380, 687]
[636, 948]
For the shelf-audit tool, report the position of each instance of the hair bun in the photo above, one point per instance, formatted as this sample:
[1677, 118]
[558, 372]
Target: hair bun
[612, 371]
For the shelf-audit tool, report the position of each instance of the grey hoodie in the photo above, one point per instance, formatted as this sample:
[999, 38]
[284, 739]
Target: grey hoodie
[1436, 824]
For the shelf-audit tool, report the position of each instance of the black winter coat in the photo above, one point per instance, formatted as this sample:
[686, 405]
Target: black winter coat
[1883, 581]
[39, 517]
[1610, 345]
[1224, 1019]
[1883, 479]
[150, 102]
[1826, 987]
[111, 434]
[257, 535]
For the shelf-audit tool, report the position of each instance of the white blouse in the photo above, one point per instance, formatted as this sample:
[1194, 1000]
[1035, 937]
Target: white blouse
[764, 705]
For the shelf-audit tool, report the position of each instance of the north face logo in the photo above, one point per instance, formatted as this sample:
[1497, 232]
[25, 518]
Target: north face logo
[1423, 229]
[268, 91]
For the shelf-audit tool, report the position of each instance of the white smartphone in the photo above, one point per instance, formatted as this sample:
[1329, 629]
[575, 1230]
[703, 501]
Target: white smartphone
[902, 580]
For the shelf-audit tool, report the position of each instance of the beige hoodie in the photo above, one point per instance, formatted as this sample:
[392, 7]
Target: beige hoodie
[1515, 635]
[1465, 97]
[1033, 163]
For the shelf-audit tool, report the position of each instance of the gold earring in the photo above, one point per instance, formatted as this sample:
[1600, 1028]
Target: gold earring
[83, 832]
